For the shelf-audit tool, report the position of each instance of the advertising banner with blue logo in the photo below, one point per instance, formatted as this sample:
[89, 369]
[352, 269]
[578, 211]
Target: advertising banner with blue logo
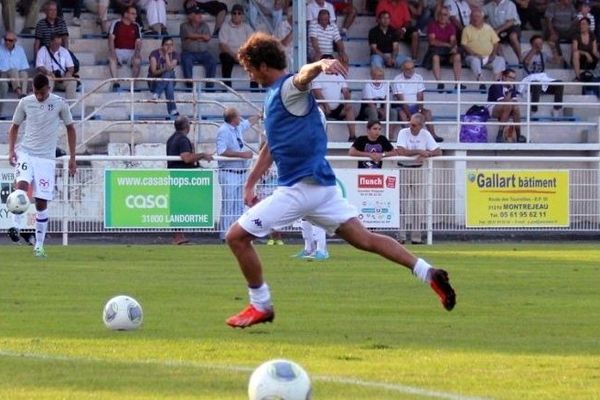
[7, 182]
[374, 193]
[165, 198]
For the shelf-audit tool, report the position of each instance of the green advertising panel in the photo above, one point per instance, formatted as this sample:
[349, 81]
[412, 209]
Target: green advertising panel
[165, 198]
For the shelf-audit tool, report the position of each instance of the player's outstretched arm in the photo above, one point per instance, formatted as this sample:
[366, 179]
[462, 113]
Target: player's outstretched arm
[310, 71]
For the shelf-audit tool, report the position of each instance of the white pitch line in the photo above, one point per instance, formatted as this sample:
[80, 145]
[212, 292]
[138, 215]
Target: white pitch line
[394, 387]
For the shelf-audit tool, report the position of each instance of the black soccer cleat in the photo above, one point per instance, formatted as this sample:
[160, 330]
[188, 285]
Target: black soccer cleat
[13, 234]
[28, 237]
[440, 283]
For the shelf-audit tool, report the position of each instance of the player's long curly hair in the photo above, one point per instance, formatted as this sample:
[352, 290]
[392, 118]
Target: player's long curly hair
[262, 48]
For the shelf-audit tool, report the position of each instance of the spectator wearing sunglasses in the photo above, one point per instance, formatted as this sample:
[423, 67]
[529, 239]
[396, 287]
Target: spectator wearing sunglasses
[14, 66]
[232, 35]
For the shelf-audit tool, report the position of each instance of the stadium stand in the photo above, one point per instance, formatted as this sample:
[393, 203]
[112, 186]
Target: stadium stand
[109, 122]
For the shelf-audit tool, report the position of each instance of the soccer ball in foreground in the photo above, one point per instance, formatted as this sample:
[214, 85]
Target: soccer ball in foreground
[279, 380]
[122, 313]
[17, 202]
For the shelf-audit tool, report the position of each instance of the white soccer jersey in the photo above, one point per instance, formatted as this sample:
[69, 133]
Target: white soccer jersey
[42, 124]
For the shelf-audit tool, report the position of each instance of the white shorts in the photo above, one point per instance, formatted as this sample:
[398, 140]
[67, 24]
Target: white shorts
[124, 56]
[38, 172]
[321, 205]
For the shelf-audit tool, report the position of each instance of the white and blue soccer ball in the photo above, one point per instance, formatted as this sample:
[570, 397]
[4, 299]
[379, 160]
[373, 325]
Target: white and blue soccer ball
[122, 313]
[17, 202]
[279, 380]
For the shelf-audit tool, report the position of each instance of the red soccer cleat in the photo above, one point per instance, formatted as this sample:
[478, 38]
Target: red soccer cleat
[440, 283]
[250, 316]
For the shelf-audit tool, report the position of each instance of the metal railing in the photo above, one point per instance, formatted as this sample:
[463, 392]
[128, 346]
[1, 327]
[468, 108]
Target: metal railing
[586, 112]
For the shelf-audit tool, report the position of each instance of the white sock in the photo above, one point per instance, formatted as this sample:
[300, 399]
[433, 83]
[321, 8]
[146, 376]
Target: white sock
[41, 226]
[421, 270]
[321, 238]
[260, 297]
[18, 221]
[307, 235]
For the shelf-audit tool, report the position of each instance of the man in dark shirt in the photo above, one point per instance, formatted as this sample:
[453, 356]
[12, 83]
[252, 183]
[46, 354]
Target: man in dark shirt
[373, 145]
[504, 93]
[383, 41]
[50, 26]
[179, 144]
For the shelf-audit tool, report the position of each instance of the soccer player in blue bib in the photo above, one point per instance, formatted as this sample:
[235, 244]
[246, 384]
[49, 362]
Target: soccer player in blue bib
[297, 143]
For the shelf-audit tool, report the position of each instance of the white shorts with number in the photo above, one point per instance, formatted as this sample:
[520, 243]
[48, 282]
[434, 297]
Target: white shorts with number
[38, 172]
[321, 205]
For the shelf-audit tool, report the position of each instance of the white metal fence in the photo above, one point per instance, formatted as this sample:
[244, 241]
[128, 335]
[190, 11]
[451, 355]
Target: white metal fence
[438, 206]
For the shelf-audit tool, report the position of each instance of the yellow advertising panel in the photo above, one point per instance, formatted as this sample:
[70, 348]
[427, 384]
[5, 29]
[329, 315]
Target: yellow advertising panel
[517, 198]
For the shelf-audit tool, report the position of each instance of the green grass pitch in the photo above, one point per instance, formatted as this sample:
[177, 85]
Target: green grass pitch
[526, 326]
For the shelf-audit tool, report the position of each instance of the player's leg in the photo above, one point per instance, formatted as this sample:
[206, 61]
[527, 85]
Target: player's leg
[307, 234]
[280, 209]
[354, 232]
[23, 177]
[320, 237]
[335, 214]
[43, 192]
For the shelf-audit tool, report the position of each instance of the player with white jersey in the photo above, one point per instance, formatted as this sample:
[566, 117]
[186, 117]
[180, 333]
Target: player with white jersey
[315, 242]
[34, 158]
[297, 143]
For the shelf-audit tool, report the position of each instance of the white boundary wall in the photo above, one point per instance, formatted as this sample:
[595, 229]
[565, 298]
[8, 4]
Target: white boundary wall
[78, 205]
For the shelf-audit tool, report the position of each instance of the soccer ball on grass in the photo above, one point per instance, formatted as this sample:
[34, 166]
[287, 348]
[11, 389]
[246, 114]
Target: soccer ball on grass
[122, 313]
[17, 202]
[279, 380]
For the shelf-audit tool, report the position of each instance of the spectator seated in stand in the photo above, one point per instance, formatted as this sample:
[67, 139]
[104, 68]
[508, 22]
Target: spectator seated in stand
[330, 89]
[401, 21]
[559, 18]
[324, 36]
[195, 35]
[505, 95]
[383, 41]
[162, 65]
[503, 17]
[375, 95]
[534, 64]
[217, 9]
[13, 66]
[124, 45]
[50, 26]
[584, 49]
[232, 35]
[56, 63]
[408, 89]
[480, 43]
[443, 47]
